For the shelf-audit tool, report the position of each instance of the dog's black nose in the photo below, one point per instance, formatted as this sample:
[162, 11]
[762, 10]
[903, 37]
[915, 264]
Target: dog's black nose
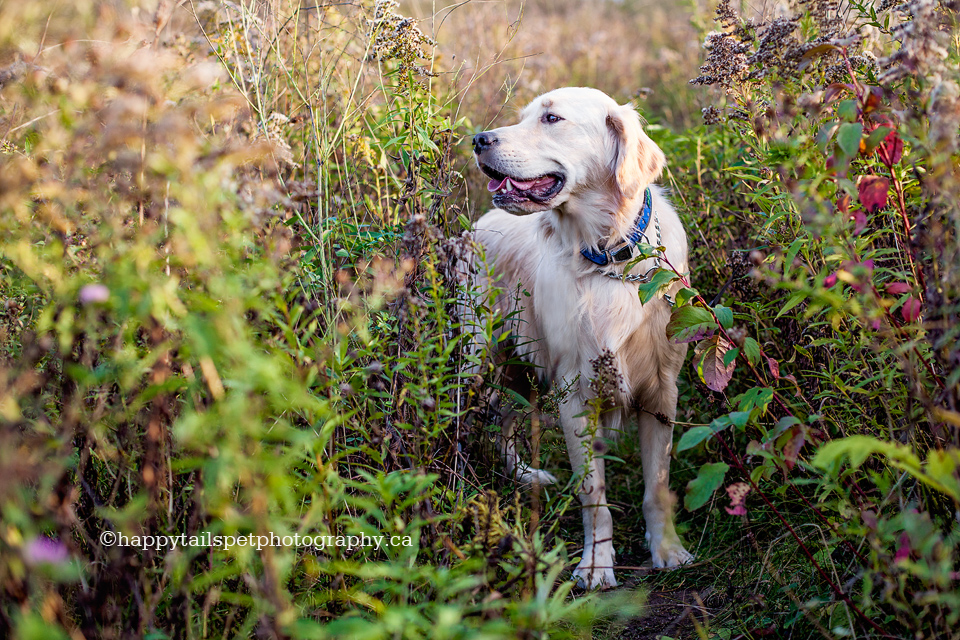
[483, 140]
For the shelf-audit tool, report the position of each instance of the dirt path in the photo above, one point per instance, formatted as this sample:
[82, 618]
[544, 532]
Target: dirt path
[671, 614]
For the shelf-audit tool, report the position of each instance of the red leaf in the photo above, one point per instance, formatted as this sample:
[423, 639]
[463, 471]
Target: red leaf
[911, 309]
[863, 271]
[774, 367]
[897, 288]
[872, 100]
[837, 166]
[891, 149]
[708, 356]
[843, 203]
[834, 90]
[860, 221]
[830, 280]
[873, 192]
[792, 449]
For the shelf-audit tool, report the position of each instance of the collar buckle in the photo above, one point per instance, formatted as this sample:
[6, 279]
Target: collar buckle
[622, 254]
[625, 252]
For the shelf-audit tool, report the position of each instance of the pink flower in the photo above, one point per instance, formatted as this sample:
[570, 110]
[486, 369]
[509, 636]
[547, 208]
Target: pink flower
[830, 280]
[865, 268]
[92, 293]
[44, 550]
[738, 493]
[903, 551]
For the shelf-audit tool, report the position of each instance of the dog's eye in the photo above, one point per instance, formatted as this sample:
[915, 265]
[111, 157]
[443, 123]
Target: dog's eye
[550, 118]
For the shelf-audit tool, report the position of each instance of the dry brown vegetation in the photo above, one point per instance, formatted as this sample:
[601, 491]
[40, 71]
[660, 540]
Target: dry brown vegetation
[225, 231]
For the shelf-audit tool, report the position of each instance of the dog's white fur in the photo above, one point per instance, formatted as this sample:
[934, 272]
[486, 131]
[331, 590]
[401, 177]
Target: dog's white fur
[572, 313]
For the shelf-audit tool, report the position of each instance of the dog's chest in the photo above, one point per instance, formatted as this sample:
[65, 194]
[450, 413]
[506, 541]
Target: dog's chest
[579, 316]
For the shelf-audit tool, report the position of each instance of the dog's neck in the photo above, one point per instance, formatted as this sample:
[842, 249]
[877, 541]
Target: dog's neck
[596, 217]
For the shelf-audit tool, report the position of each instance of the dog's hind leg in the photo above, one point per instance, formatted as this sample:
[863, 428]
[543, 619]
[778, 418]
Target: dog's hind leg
[516, 468]
[656, 440]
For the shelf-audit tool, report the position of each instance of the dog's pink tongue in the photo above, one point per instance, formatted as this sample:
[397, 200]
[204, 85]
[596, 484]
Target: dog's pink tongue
[545, 181]
[494, 186]
[523, 186]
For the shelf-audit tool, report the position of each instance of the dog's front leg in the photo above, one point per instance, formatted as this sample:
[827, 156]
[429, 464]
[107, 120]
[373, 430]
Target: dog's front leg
[596, 567]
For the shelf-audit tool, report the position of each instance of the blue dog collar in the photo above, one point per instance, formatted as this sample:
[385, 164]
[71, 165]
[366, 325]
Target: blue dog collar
[623, 252]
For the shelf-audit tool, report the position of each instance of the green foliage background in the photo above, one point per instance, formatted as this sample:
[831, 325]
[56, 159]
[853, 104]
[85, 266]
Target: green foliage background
[227, 236]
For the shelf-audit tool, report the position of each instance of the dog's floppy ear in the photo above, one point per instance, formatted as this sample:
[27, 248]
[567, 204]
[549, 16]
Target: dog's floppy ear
[638, 160]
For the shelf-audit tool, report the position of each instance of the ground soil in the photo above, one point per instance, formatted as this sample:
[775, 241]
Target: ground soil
[674, 614]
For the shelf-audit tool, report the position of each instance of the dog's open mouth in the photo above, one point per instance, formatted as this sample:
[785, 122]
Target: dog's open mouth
[507, 189]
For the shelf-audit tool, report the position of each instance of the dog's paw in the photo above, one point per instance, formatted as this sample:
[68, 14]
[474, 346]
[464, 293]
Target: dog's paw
[596, 568]
[670, 554]
[527, 475]
[594, 577]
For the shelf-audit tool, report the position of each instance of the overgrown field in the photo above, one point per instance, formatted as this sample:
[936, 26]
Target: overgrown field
[226, 238]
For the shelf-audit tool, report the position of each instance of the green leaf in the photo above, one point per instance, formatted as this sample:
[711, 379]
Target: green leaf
[33, 627]
[516, 397]
[792, 252]
[702, 487]
[724, 315]
[847, 111]
[751, 349]
[848, 187]
[826, 133]
[848, 138]
[857, 449]
[740, 419]
[938, 473]
[693, 437]
[782, 425]
[690, 323]
[696, 435]
[660, 280]
[755, 398]
[793, 301]
[641, 251]
[876, 137]
[685, 295]
[942, 466]
[730, 356]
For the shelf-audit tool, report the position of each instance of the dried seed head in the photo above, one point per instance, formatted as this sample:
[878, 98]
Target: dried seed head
[711, 115]
[738, 335]
[607, 381]
[396, 37]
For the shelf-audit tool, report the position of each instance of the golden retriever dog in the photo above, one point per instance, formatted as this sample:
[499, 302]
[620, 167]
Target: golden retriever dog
[572, 186]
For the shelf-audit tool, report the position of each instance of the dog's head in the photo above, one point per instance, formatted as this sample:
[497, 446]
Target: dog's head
[572, 143]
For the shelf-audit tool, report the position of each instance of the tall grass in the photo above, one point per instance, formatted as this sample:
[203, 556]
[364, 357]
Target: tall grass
[228, 232]
[225, 316]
